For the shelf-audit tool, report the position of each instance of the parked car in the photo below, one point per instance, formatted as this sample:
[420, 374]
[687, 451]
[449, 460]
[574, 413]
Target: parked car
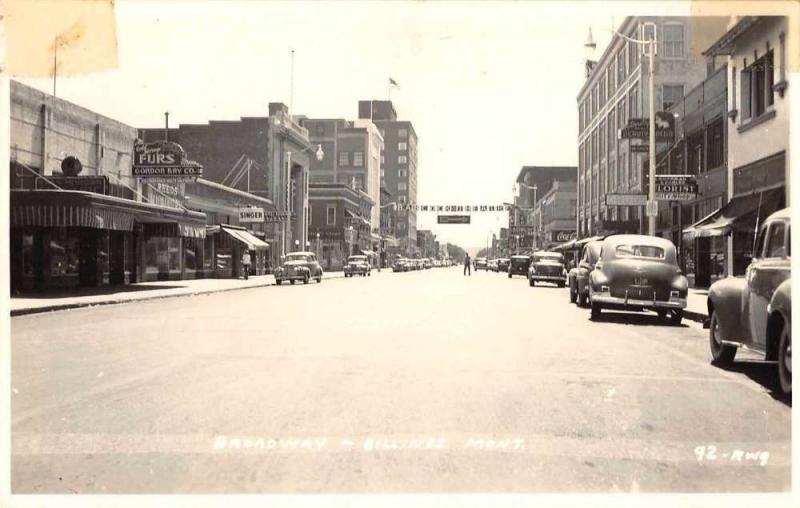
[480, 264]
[579, 276]
[298, 266]
[357, 265]
[755, 311]
[547, 266]
[636, 273]
[427, 263]
[492, 265]
[518, 265]
[502, 264]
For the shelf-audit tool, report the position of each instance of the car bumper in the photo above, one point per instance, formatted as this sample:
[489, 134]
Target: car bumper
[549, 278]
[673, 304]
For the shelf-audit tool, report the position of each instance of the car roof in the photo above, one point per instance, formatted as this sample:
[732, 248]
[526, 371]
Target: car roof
[786, 213]
[638, 240]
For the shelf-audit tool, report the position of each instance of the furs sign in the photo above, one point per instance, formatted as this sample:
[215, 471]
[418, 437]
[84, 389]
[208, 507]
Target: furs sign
[163, 159]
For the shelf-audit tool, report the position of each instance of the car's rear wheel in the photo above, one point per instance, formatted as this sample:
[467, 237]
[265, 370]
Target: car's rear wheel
[292, 281]
[596, 310]
[785, 359]
[721, 354]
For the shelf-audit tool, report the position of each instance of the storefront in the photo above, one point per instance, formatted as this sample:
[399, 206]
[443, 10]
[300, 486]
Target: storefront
[228, 245]
[70, 239]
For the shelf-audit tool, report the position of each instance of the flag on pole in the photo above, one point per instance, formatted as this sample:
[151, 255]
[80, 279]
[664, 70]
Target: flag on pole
[393, 82]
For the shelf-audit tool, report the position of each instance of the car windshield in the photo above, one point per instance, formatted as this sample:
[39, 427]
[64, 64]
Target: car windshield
[298, 257]
[548, 257]
[640, 251]
[357, 258]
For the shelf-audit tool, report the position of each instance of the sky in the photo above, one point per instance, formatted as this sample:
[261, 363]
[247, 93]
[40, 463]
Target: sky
[489, 86]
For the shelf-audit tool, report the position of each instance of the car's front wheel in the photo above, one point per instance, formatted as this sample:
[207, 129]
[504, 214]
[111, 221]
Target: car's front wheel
[785, 360]
[278, 281]
[305, 279]
[721, 354]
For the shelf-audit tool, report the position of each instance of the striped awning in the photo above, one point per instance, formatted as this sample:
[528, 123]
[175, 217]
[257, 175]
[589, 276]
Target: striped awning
[60, 208]
[55, 215]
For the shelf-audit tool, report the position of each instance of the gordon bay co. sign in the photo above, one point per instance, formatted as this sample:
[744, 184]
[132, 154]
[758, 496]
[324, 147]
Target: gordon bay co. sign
[163, 160]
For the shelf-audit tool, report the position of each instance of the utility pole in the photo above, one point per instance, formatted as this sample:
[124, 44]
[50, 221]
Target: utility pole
[652, 206]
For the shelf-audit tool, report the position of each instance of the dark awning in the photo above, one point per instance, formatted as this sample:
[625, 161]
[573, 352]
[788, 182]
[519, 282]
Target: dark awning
[60, 208]
[739, 214]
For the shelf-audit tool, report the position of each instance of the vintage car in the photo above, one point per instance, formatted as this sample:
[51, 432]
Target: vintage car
[400, 265]
[492, 265]
[579, 276]
[754, 312]
[427, 263]
[518, 265]
[298, 266]
[638, 272]
[502, 264]
[357, 265]
[481, 264]
[547, 267]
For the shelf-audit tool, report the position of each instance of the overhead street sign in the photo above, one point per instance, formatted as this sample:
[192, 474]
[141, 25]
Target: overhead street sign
[453, 219]
[626, 199]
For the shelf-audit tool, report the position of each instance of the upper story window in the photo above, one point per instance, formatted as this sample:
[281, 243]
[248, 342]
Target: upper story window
[621, 66]
[671, 95]
[633, 56]
[401, 186]
[402, 133]
[611, 79]
[344, 158]
[601, 87]
[402, 146]
[402, 173]
[331, 215]
[358, 159]
[402, 159]
[672, 40]
[595, 99]
[383, 160]
[383, 173]
[633, 103]
[756, 87]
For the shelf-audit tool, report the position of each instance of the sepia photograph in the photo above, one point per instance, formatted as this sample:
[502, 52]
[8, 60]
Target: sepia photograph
[368, 253]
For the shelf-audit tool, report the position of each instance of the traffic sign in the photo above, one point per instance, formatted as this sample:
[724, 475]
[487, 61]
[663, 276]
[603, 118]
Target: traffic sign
[651, 209]
[453, 219]
[626, 199]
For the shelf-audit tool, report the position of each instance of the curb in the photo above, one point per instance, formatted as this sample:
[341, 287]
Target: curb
[80, 305]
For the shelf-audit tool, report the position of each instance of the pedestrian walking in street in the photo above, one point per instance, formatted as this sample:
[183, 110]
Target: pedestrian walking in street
[467, 266]
[246, 264]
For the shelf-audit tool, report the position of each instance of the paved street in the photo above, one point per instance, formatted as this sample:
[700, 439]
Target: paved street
[424, 381]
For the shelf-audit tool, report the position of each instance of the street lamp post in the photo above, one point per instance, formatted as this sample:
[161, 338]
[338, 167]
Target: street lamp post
[319, 254]
[320, 154]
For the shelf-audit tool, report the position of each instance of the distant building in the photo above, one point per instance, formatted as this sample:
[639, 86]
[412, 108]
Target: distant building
[398, 166]
[339, 223]
[554, 215]
[355, 148]
[616, 91]
[425, 242]
[533, 182]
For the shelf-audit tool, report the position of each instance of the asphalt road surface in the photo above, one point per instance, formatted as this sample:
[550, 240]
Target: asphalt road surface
[421, 382]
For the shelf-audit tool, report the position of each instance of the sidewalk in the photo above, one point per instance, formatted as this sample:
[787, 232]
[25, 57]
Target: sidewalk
[31, 304]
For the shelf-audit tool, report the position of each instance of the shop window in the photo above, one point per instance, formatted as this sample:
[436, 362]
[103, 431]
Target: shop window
[64, 250]
[208, 250]
[27, 255]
